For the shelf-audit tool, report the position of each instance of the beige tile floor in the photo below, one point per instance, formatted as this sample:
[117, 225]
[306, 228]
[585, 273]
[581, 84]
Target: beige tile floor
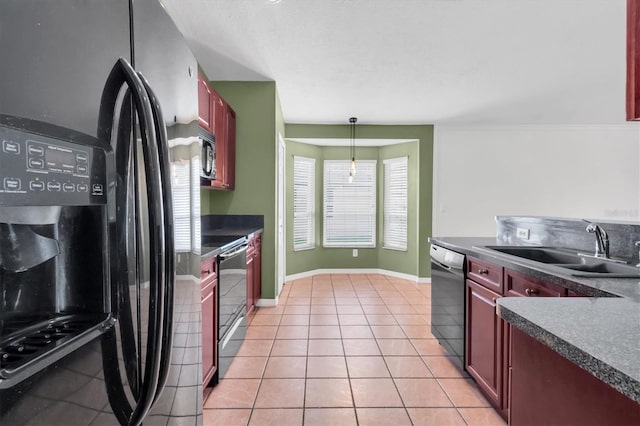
[346, 350]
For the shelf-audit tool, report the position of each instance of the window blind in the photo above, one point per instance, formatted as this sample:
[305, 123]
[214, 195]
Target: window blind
[195, 204]
[349, 208]
[395, 203]
[304, 208]
[181, 203]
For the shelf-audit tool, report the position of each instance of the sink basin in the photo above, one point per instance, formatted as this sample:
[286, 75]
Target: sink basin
[604, 268]
[576, 265]
[541, 254]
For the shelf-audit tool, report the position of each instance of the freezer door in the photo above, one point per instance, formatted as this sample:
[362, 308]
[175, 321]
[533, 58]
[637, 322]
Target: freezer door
[164, 59]
[56, 57]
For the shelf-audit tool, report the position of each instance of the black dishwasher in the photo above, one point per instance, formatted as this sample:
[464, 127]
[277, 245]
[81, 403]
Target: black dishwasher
[232, 282]
[448, 301]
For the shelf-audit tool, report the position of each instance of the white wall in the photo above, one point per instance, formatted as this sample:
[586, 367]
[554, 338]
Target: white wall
[543, 170]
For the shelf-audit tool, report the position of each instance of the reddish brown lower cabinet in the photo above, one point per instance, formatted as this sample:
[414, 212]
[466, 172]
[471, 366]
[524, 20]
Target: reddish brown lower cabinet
[251, 300]
[257, 268]
[518, 284]
[254, 272]
[546, 389]
[484, 341]
[209, 303]
[488, 337]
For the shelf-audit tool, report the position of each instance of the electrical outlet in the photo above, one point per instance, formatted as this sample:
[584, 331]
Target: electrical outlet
[523, 233]
[355, 252]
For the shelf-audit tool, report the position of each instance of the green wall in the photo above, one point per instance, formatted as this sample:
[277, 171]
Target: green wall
[415, 261]
[257, 119]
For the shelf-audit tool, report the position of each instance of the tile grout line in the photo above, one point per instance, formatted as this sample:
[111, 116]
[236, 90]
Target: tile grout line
[412, 340]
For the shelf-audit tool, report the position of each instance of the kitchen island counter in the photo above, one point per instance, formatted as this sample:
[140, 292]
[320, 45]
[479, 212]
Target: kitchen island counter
[600, 333]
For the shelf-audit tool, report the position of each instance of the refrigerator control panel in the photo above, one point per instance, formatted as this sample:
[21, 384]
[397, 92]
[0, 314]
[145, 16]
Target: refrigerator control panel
[39, 170]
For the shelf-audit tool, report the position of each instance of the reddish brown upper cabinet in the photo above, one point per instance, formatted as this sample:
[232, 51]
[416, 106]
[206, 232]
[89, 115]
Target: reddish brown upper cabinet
[205, 111]
[219, 119]
[230, 157]
[633, 60]
[225, 133]
[209, 303]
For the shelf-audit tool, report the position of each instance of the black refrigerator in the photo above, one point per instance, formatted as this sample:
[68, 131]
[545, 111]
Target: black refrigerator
[100, 319]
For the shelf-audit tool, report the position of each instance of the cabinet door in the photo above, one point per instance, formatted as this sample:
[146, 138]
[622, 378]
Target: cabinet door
[219, 131]
[257, 270]
[484, 341]
[251, 300]
[205, 113]
[209, 331]
[209, 303]
[547, 388]
[230, 153]
[633, 60]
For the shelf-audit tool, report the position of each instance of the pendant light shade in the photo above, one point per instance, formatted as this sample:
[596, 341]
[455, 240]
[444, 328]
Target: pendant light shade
[352, 145]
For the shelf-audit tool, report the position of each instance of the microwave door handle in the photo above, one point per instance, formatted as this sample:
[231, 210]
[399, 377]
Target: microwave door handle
[121, 73]
[166, 201]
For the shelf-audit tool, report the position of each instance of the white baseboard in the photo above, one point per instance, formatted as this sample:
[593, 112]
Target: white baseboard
[308, 274]
[267, 303]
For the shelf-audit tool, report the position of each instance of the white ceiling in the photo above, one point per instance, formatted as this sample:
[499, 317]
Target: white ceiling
[420, 61]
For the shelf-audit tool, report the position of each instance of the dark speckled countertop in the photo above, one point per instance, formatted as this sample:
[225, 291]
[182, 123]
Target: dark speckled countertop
[600, 333]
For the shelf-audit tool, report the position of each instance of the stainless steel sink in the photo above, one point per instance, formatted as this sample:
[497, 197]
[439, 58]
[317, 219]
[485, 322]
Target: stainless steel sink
[541, 254]
[610, 269]
[573, 263]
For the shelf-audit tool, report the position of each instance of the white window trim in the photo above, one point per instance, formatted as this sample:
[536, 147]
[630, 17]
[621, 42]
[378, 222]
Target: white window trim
[309, 196]
[395, 205]
[336, 173]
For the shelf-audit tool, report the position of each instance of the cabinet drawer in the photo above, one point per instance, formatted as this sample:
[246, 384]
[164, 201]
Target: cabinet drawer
[517, 284]
[208, 269]
[485, 273]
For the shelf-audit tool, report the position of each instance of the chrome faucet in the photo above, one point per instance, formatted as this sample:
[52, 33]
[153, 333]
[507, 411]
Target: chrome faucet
[602, 240]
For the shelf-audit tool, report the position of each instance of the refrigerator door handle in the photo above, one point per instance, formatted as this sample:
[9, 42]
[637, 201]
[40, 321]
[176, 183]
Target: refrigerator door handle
[121, 73]
[169, 259]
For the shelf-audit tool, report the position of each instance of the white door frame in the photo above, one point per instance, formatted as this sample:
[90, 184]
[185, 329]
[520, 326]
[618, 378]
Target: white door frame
[281, 215]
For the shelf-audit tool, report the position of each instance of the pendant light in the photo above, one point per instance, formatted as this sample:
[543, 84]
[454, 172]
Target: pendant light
[352, 170]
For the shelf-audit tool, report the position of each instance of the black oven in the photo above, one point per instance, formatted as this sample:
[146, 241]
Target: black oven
[232, 284]
[208, 155]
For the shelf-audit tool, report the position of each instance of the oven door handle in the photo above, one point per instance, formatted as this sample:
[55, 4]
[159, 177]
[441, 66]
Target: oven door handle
[229, 255]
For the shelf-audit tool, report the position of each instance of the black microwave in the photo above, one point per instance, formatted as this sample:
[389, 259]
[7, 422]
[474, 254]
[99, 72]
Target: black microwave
[208, 156]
